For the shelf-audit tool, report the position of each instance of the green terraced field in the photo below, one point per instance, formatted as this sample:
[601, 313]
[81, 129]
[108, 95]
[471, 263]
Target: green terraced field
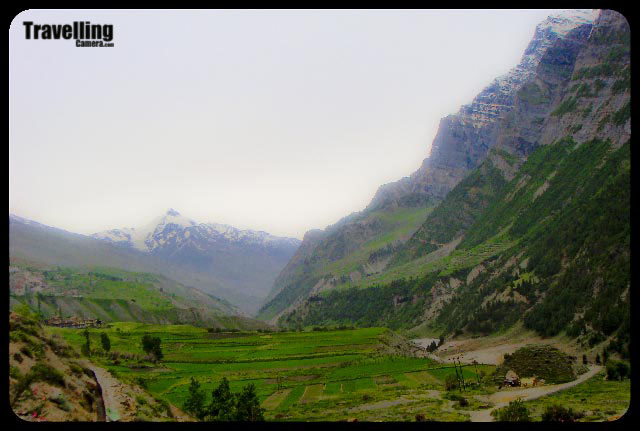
[320, 371]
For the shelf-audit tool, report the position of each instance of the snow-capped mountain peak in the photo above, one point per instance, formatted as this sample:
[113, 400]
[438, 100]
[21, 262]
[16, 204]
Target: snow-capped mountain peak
[175, 230]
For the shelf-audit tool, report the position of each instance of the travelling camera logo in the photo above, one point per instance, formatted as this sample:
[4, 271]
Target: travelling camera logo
[86, 34]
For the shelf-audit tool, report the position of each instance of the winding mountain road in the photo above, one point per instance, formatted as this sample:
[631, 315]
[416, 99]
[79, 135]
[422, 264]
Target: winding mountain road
[502, 398]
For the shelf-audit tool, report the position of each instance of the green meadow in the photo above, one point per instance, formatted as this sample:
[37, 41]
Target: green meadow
[308, 375]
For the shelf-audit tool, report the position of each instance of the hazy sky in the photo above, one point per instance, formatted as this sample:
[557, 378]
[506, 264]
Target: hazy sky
[279, 121]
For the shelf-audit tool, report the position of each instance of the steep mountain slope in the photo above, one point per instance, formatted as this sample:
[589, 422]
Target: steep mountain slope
[461, 144]
[540, 232]
[114, 295]
[235, 265]
[48, 381]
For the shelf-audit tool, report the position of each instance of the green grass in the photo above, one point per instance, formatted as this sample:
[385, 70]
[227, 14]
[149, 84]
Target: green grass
[597, 399]
[318, 370]
[397, 224]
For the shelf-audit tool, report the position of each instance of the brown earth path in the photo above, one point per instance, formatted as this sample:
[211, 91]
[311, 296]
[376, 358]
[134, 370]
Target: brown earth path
[118, 405]
[502, 398]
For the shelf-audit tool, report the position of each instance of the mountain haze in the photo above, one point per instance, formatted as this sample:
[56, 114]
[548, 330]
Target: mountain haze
[236, 265]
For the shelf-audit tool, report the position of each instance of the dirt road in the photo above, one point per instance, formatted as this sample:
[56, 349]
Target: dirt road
[490, 355]
[502, 398]
[112, 393]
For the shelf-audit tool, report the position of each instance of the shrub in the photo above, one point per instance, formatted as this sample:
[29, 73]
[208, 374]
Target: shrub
[462, 401]
[516, 411]
[15, 373]
[617, 370]
[451, 383]
[557, 413]
[165, 405]
[75, 368]
[61, 402]
[142, 382]
[26, 351]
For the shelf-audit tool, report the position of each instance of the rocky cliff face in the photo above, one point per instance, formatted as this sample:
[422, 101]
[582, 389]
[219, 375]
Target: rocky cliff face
[462, 142]
[539, 233]
[464, 138]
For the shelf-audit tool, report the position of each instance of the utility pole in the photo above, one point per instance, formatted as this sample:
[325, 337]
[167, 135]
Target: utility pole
[475, 364]
[457, 377]
[461, 374]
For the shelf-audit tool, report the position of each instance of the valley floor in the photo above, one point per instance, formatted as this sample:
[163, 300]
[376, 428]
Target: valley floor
[369, 374]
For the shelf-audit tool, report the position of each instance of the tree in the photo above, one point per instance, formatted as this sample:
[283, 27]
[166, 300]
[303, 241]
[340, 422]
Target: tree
[106, 343]
[194, 404]
[223, 403]
[248, 405]
[598, 358]
[584, 359]
[441, 341]
[151, 345]
[432, 347]
[516, 411]
[86, 349]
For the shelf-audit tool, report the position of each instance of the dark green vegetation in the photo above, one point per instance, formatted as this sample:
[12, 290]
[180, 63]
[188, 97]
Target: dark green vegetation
[566, 204]
[558, 413]
[151, 345]
[542, 361]
[618, 370]
[309, 375]
[111, 294]
[516, 411]
[398, 305]
[456, 213]
[224, 405]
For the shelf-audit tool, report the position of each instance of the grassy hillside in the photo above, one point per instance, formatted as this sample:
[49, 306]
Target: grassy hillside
[540, 256]
[358, 248]
[115, 295]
